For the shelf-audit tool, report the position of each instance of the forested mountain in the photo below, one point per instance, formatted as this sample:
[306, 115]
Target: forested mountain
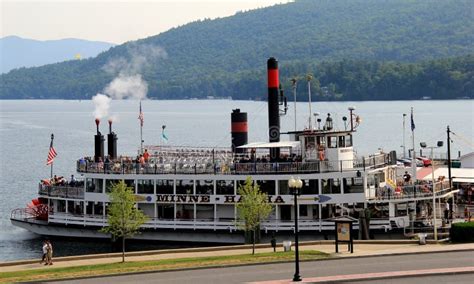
[16, 52]
[370, 49]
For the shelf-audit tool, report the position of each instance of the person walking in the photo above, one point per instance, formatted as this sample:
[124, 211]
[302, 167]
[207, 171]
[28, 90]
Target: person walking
[49, 254]
[45, 251]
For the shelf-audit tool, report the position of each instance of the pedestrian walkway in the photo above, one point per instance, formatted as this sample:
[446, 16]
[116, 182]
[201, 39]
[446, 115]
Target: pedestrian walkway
[360, 250]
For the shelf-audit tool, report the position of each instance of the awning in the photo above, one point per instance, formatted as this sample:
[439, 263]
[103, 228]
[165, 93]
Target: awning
[281, 144]
[463, 175]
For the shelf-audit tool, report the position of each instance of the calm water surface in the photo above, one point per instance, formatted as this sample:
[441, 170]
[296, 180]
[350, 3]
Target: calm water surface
[25, 128]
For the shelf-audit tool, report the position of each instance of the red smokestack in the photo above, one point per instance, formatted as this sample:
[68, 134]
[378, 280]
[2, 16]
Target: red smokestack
[273, 107]
[97, 122]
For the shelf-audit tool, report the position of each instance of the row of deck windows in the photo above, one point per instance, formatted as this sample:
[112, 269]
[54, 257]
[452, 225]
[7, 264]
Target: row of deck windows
[227, 187]
[332, 141]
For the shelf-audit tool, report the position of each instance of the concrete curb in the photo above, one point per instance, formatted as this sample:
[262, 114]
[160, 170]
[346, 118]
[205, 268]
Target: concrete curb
[203, 249]
[250, 264]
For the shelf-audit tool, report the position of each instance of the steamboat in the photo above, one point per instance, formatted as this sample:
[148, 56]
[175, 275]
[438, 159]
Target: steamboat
[189, 194]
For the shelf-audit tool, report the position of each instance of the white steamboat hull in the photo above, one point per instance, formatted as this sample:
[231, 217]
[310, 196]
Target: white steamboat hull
[57, 230]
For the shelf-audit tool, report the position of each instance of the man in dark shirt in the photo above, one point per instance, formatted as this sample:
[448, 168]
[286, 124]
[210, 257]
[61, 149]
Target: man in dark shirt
[406, 177]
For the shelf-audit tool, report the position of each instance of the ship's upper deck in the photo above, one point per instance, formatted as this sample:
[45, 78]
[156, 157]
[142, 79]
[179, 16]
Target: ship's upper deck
[185, 160]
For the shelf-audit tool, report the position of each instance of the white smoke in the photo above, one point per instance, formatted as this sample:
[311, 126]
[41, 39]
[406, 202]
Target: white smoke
[102, 105]
[128, 82]
[141, 57]
[127, 87]
[114, 118]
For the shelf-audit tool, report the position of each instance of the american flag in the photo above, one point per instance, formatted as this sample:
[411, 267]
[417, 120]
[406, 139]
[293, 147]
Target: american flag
[140, 116]
[51, 155]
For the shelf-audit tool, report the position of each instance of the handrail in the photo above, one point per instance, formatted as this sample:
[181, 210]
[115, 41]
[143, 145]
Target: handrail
[219, 223]
[235, 168]
[64, 191]
[412, 191]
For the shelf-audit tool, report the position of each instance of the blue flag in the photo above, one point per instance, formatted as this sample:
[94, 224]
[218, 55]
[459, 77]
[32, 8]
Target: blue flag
[412, 122]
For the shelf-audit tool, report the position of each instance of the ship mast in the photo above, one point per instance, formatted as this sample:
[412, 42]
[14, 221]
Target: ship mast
[309, 77]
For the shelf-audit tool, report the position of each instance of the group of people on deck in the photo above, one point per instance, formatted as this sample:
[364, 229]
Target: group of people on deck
[60, 181]
[284, 158]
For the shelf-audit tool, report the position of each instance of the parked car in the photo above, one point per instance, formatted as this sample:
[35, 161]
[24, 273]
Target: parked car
[426, 162]
[404, 162]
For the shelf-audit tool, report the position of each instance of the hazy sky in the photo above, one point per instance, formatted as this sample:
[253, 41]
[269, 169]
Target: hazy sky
[108, 20]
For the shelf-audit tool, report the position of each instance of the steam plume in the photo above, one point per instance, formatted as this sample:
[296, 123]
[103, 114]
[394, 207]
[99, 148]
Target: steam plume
[127, 87]
[102, 105]
[128, 82]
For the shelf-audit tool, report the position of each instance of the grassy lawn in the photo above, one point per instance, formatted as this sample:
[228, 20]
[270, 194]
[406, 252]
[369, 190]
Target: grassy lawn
[166, 264]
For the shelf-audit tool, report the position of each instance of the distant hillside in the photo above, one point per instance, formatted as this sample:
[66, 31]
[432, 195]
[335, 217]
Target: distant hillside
[227, 57]
[16, 52]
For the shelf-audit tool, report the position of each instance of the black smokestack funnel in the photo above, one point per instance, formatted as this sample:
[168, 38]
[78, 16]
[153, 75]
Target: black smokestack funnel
[98, 143]
[273, 107]
[239, 130]
[111, 142]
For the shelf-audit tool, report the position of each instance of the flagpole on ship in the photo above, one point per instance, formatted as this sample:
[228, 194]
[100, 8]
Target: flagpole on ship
[413, 159]
[140, 117]
[50, 147]
[51, 155]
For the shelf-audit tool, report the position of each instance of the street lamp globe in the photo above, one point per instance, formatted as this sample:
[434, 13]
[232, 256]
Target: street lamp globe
[291, 182]
[298, 183]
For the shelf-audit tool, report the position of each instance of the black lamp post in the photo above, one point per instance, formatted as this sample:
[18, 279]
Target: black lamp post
[423, 145]
[295, 185]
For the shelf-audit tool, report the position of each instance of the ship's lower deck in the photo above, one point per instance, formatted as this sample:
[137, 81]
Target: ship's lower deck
[49, 229]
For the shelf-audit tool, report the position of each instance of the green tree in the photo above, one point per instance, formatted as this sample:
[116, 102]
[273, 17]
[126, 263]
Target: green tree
[252, 208]
[124, 220]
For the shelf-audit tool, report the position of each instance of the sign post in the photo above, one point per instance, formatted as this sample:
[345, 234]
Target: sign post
[343, 232]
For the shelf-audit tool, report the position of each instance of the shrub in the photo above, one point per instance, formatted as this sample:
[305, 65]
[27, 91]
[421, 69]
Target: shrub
[462, 232]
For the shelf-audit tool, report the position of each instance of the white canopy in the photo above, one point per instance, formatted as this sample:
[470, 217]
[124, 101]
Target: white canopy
[281, 144]
[459, 174]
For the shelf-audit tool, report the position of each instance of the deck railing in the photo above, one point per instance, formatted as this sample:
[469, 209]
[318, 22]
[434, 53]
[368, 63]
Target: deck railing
[213, 224]
[22, 214]
[412, 191]
[64, 191]
[236, 168]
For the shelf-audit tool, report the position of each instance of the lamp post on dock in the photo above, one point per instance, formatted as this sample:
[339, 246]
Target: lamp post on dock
[295, 186]
[423, 145]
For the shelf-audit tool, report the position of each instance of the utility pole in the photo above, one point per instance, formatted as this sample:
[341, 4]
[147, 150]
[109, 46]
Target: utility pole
[449, 172]
[404, 147]
[293, 84]
[309, 77]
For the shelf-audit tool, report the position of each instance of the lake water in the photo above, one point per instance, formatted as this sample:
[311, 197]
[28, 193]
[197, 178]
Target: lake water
[25, 128]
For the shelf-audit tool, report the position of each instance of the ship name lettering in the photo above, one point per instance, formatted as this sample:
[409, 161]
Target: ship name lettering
[162, 198]
[207, 198]
[229, 199]
[181, 198]
[278, 199]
